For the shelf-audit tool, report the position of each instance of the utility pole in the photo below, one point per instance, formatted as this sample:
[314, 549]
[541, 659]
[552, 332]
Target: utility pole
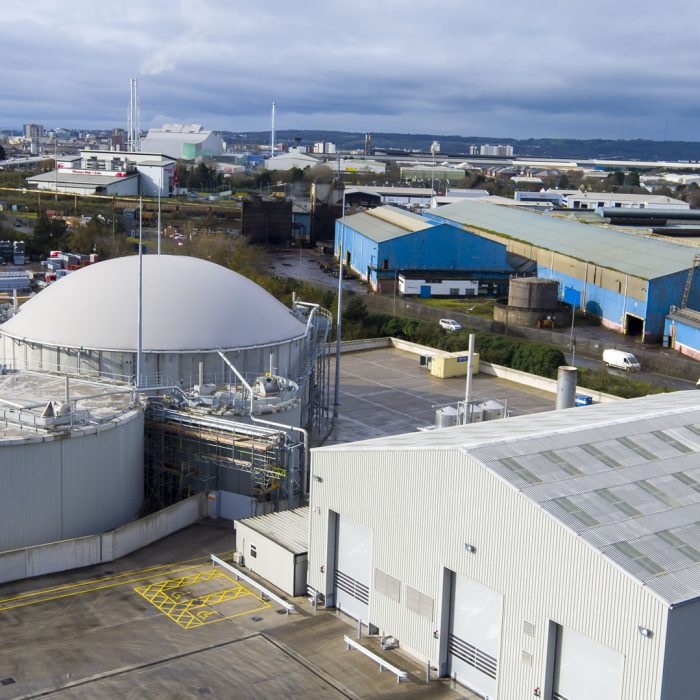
[339, 322]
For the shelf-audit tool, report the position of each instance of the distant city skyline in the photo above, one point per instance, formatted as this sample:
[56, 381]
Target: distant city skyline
[507, 70]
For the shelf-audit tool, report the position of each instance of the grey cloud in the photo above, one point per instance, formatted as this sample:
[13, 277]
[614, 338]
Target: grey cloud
[507, 68]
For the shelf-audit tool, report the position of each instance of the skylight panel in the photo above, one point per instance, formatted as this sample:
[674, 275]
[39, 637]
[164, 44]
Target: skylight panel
[518, 469]
[601, 456]
[670, 440]
[638, 557]
[572, 509]
[641, 451]
[618, 502]
[657, 493]
[560, 462]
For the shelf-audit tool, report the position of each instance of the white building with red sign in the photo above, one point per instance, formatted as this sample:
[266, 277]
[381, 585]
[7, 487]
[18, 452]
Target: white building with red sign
[110, 173]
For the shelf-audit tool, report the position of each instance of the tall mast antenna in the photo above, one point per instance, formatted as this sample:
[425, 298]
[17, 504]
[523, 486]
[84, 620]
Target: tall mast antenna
[134, 117]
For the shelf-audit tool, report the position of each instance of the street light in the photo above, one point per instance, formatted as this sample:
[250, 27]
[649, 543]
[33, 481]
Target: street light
[339, 322]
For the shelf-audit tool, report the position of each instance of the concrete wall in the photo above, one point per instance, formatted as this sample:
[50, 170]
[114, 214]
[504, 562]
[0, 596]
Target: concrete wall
[98, 549]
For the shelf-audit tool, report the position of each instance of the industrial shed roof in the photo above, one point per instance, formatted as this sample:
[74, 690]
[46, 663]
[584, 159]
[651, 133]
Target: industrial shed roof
[189, 305]
[287, 528]
[625, 476]
[77, 179]
[386, 223]
[629, 253]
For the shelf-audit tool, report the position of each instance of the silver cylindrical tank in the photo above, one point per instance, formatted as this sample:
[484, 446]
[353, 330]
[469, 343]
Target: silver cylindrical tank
[492, 410]
[566, 387]
[533, 293]
[446, 417]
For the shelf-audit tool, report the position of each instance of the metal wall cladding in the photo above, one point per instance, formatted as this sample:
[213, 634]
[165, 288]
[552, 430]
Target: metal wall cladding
[289, 361]
[423, 506]
[61, 488]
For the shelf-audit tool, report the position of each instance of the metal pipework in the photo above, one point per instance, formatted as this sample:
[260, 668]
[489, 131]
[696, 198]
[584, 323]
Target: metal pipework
[303, 432]
[566, 387]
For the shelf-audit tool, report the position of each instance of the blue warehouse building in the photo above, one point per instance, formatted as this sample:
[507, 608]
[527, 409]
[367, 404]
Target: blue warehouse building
[628, 280]
[682, 332]
[385, 242]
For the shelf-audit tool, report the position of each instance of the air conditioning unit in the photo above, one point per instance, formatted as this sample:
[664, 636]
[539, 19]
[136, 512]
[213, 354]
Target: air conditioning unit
[238, 558]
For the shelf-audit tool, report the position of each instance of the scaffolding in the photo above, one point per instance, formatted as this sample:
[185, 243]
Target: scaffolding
[188, 452]
[317, 371]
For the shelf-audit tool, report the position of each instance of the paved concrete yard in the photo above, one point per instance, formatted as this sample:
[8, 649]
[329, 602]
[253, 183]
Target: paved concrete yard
[386, 392]
[164, 623]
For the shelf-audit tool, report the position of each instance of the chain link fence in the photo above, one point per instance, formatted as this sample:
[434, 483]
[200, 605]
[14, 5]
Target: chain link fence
[653, 359]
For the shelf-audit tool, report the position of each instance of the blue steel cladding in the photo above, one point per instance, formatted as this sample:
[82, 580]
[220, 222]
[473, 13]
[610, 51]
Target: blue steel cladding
[686, 334]
[442, 247]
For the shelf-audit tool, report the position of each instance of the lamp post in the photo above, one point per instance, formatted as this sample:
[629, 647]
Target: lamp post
[339, 322]
[572, 340]
[55, 168]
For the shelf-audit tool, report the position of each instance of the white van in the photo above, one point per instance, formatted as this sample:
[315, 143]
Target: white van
[621, 360]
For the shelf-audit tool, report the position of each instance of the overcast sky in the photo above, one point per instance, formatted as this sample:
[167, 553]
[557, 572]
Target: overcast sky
[596, 69]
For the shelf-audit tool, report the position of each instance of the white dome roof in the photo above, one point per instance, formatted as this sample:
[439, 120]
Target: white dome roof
[188, 305]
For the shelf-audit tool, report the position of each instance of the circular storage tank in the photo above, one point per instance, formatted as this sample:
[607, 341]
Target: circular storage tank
[71, 483]
[86, 324]
[446, 417]
[533, 293]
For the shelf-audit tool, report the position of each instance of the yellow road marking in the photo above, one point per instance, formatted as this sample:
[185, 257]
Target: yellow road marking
[81, 585]
[194, 613]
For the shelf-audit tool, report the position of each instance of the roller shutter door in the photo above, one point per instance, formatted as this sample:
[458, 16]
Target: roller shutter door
[585, 669]
[474, 642]
[352, 570]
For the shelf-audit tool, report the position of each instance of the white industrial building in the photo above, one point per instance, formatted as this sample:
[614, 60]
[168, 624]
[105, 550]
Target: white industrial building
[294, 158]
[551, 555]
[186, 141]
[119, 173]
[599, 200]
[275, 547]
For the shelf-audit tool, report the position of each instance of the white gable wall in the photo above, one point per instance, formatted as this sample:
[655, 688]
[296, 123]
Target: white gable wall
[424, 506]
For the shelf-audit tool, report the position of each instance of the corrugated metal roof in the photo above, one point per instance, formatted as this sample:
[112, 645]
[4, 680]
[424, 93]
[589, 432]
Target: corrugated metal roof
[625, 476]
[287, 528]
[386, 223]
[77, 179]
[629, 253]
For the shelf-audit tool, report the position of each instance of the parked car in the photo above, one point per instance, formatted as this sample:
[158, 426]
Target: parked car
[621, 360]
[449, 324]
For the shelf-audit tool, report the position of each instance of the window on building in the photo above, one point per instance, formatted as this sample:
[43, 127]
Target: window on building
[253, 551]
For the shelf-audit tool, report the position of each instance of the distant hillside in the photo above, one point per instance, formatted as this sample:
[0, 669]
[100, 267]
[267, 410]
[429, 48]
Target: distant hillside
[637, 149]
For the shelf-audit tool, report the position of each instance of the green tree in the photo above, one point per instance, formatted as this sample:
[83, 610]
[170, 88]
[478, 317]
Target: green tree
[49, 234]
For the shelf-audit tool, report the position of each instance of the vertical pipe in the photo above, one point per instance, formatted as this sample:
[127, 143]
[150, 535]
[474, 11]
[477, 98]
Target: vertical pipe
[470, 370]
[272, 133]
[339, 324]
[566, 387]
[159, 188]
[139, 342]
[201, 375]
[67, 390]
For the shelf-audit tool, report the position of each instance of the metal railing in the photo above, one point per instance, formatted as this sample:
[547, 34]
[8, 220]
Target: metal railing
[265, 592]
[383, 664]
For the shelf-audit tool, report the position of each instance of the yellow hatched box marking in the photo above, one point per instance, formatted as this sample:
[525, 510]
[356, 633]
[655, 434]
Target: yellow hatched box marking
[171, 598]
